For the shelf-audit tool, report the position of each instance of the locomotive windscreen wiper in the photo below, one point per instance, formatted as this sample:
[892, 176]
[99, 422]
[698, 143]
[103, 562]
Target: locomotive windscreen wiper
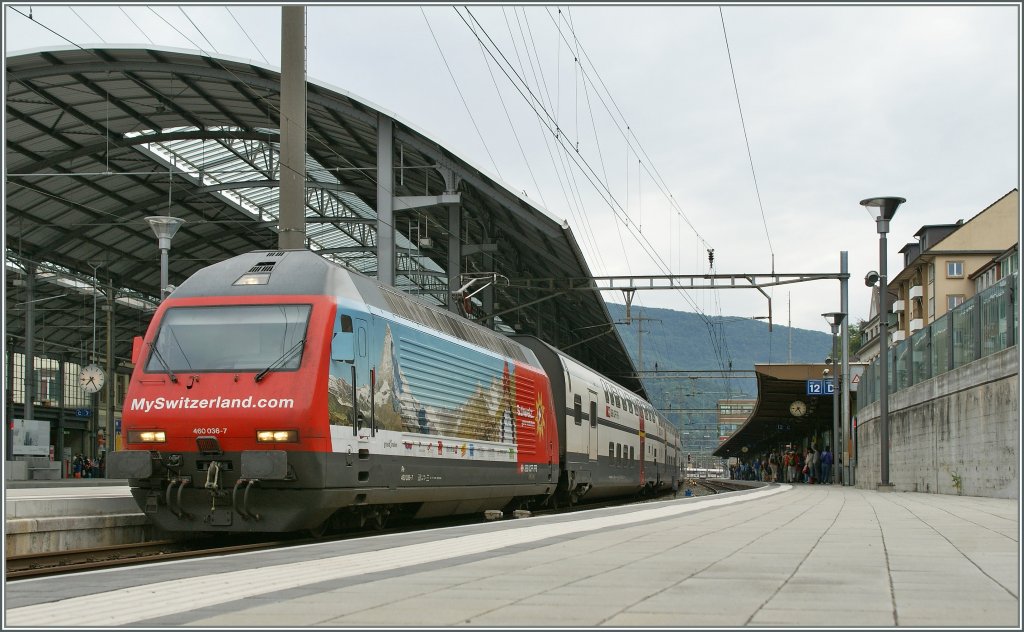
[284, 356]
[160, 359]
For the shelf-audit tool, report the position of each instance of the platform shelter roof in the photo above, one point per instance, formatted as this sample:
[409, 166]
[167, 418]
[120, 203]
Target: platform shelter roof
[772, 424]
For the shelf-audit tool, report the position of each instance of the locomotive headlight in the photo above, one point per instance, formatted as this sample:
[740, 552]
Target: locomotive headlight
[277, 436]
[147, 436]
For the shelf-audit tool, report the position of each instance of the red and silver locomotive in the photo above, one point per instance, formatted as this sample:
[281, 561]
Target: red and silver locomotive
[276, 391]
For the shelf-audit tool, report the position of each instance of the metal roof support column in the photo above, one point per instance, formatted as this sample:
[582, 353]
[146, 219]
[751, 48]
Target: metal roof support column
[62, 406]
[454, 254]
[30, 341]
[9, 404]
[385, 201]
[844, 424]
[111, 376]
[292, 211]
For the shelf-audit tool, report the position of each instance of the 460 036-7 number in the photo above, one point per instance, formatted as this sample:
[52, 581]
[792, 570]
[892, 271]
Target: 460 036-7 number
[209, 431]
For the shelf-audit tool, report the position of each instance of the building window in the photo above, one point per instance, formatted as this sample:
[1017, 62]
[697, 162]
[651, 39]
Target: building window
[954, 269]
[1009, 265]
[931, 308]
[952, 300]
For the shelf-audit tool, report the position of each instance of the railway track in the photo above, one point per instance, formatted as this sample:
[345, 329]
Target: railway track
[716, 486]
[62, 562]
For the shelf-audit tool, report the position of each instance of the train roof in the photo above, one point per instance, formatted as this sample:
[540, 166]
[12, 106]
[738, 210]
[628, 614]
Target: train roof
[279, 272]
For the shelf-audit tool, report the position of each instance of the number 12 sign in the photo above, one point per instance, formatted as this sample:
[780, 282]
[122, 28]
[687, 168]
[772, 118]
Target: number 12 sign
[820, 387]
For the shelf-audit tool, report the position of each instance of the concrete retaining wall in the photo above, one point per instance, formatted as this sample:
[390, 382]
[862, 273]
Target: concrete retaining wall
[962, 426]
[27, 536]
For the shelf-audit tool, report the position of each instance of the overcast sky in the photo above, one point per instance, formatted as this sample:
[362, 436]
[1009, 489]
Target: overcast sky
[840, 103]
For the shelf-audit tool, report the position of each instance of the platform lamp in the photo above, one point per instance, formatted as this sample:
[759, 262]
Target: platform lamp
[835, 320]
[886, 210]
[165, 227]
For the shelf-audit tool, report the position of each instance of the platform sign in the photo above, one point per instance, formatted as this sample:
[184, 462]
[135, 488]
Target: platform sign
[820, 387]
[83, 412]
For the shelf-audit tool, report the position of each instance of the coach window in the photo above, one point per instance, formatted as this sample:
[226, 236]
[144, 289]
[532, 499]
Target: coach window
[593, 414]
[618, 453]
[611, 450]
[632, 454]
[577, 409]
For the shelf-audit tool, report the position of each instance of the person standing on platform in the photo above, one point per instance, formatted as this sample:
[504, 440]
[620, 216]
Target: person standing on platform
[826, 466]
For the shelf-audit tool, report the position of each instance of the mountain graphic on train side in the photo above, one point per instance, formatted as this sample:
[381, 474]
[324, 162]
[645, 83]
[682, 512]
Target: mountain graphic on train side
[486, 414]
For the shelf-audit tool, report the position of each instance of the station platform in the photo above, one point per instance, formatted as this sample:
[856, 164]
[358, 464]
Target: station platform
[63, 515]
[777, 556]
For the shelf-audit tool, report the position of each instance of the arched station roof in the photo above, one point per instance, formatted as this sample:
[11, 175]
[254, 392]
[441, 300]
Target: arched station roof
[99, 139]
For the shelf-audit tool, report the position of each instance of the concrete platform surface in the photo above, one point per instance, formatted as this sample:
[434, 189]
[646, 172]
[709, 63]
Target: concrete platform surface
[779, 557]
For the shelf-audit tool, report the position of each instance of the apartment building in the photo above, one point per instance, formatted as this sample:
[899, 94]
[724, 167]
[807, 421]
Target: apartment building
[948, 264]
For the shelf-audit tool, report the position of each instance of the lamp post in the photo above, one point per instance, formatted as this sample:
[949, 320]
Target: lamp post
[165, 228]
[835, 319]
[886, 210]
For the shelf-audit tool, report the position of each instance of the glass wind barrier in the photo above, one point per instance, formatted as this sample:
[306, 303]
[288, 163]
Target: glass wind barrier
[981, 326]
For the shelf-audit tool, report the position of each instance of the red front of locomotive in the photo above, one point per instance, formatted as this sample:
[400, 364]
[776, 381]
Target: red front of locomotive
[225, 420]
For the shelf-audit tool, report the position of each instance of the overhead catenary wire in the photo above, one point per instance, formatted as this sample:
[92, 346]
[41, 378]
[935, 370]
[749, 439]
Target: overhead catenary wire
[246, 33]
[87, 25]
[569, 190]
[534, 101]
[746, 138]
[199, 30]
[144, 34]
[459, 90]
[601, 187]
[628, 133]
[750, 157]
[508, 117]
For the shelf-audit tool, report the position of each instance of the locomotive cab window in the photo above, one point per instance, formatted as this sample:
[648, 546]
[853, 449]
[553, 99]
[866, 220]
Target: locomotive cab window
[341, 343]
[230, 338]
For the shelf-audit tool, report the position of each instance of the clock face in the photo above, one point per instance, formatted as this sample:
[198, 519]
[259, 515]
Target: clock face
[91, 378]
[798, 408]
